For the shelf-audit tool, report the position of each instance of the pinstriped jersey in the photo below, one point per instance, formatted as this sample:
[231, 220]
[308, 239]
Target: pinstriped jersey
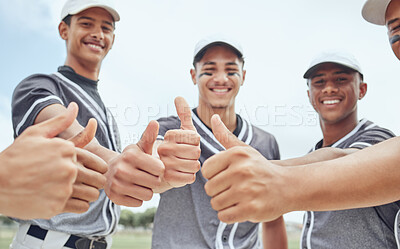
[38, 91]
[185, 218]
[372, 227]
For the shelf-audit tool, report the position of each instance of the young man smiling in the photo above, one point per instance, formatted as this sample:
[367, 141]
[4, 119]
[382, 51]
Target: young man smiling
[336, 84]
[87, 27]
[184, 217]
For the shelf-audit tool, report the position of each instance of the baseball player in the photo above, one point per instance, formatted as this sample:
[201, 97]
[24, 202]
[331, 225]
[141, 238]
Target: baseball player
[335, 82]
[87, 26]
[184, 217]
[369, 177]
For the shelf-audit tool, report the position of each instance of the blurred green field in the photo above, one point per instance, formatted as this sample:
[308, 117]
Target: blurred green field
[127, 239]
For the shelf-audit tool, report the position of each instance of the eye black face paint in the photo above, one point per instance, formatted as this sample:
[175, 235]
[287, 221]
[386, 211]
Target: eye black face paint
[394, 39]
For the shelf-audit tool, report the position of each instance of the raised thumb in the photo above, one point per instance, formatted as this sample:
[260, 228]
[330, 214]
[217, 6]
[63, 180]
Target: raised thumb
[86, 135]
[149, 137]
[223, 135]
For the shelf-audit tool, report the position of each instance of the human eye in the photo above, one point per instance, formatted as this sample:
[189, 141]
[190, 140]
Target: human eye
[206, 73]
[341, 80]
[232, 71]
[107, 29]
[395, 28]
[317, 82]
[85, 24]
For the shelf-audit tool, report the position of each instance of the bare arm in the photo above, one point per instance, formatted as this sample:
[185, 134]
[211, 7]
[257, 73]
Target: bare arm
[265, 190]
[274, 234]
[369, 177]
[323, 154]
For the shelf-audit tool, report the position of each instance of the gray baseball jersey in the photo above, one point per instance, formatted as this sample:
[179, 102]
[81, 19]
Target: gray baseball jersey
[185, 218]
[371, 227]
[38, 91]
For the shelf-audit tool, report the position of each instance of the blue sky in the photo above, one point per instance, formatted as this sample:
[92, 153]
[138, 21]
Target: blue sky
[151, 58]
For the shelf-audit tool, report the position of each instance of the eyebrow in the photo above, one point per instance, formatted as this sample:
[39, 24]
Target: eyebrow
[231, 64]
[335, 73]
[209, 63]
[92, 19]
[392, 21]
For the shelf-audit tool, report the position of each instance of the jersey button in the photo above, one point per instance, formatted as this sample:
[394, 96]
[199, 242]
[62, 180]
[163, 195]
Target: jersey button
[225, 238]
[308, 224]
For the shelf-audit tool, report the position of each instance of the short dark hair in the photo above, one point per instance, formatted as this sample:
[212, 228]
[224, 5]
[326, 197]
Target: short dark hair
[202, 52]
[67, 20]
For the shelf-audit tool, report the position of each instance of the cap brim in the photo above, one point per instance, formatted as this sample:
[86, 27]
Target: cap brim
[221, 43]
[374, 11]
[314, 68]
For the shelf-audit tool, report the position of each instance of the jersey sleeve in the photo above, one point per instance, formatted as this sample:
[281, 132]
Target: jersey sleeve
[168, 123]
[30, 97]
[370, 137]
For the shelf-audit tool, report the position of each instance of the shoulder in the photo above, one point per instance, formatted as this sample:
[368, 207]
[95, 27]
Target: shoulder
[37, 81]
[372, 129]
[369, 134]
[261, 134]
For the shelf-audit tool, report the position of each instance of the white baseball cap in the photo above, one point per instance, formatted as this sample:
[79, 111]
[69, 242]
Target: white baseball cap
[335, 56]
[208, 41]
[73, 7]
[374, 11]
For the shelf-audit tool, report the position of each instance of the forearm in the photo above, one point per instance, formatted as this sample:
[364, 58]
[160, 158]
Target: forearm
[94, 146]
[366, 178]
[274, 234]
[320, 155]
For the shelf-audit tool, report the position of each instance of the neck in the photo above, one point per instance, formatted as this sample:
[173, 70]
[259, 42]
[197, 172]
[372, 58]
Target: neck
[333, 132]
[228, 115]
[87, 70]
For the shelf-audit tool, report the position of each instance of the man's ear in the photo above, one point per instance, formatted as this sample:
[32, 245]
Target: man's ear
[244, 77]
[309, 98]
[193, 75]
[112, 43]
[63, 30]
[363, 90]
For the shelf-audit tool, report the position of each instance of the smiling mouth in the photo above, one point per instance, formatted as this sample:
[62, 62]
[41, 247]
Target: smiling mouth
[225, 90]
[331, 102]
[95, 46]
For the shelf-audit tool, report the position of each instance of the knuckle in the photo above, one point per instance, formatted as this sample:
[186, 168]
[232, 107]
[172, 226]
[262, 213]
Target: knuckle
[225, 218]
[147, 195]
[197, 166]
[198, 152]
[207, 189]
[214, 204]
[128, 155]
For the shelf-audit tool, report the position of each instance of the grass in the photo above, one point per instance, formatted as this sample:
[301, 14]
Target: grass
[126, 240]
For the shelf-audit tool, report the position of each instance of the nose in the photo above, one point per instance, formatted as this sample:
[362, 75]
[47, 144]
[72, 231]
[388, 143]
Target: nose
[221, 77]
[330, 87]
[97, 32]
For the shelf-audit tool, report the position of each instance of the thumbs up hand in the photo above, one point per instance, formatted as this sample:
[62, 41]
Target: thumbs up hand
[91, 169]
[134, 174]
[180, 150]
[240, 180]
[38, 170]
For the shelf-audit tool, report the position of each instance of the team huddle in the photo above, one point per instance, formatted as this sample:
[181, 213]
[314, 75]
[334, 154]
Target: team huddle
[218, 175]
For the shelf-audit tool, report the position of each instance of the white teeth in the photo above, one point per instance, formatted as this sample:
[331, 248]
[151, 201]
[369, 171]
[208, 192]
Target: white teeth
[331, 102]
[220, 90]
[94, 46]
